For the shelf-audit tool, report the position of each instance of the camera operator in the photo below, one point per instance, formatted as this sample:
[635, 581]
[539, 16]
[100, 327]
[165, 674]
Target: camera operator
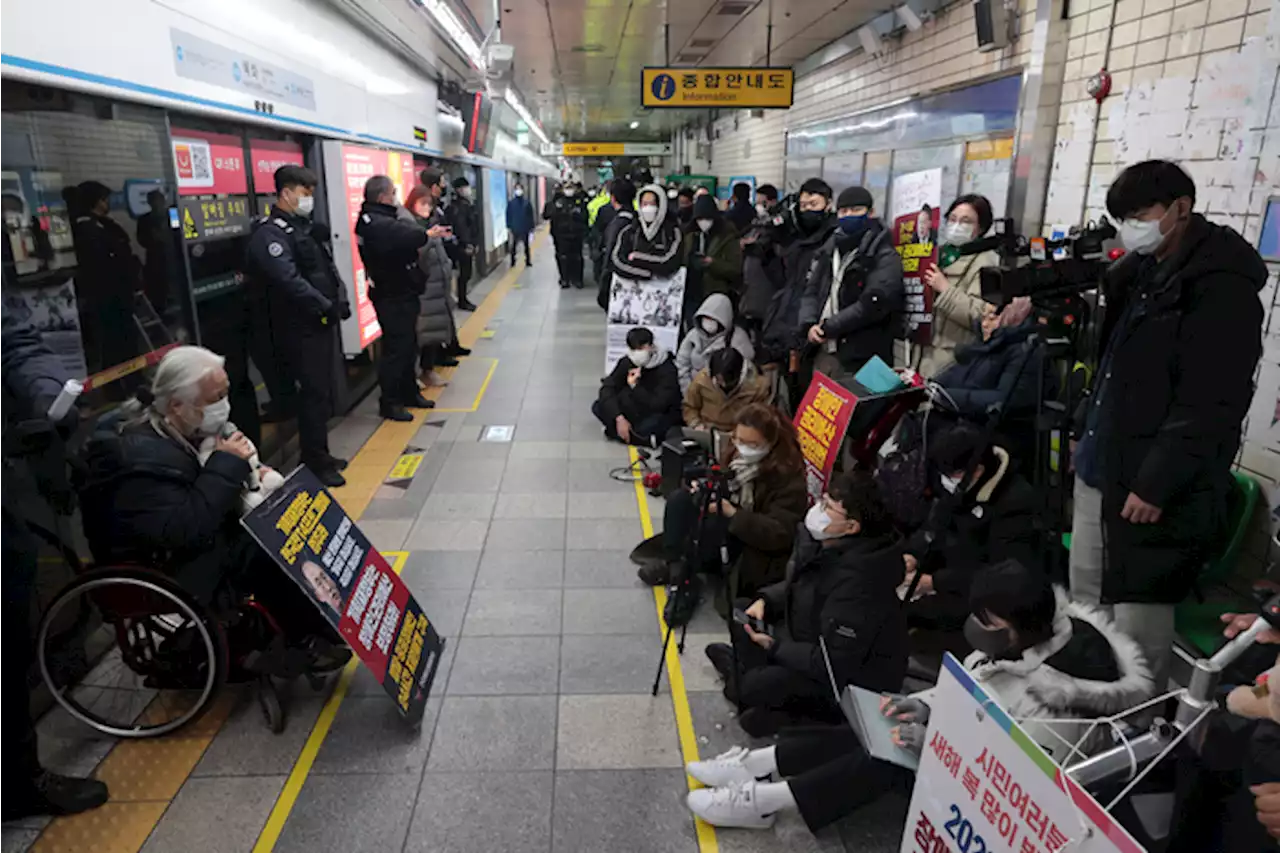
[991, 520]
[32, 379]
[958, 306]
[1158, 433]
[854, 297]
[839, 590]
[757, 521]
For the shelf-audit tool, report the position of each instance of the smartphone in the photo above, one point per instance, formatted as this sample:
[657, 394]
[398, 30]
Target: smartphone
[741, 617]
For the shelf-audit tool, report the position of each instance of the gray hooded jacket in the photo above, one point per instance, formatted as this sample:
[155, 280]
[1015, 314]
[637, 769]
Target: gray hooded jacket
[697, 347]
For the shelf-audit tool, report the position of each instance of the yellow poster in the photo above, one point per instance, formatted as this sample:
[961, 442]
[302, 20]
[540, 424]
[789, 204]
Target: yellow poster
[685, 88]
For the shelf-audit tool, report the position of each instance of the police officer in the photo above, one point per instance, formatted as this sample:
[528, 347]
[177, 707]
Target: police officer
[306, 300]
[389, 245]
[32, 377]
[568, 215]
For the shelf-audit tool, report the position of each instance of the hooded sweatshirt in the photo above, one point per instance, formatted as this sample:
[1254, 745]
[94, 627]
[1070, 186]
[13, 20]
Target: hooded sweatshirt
[644, 250]
[697, 347]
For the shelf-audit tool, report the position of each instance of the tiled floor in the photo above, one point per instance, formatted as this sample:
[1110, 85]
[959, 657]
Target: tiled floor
[541, 734]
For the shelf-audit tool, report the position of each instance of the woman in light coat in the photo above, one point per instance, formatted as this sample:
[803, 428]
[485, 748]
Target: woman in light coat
[958, 306]
[436, 327]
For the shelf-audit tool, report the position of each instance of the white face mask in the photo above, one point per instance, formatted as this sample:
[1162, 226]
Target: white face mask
[215, 417]
[465, 192]
[672, 193]
[950, 484]
[957, 233]
[749, 452]
[761, 210]
[704, 224]
[639, 357]
[306, 204]
[711, 327]
[519, 192]
[649, 212]
[817, 520]
[1141, 237]
[569, 192]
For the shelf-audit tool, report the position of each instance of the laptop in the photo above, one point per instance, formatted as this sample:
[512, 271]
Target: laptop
[861, 708]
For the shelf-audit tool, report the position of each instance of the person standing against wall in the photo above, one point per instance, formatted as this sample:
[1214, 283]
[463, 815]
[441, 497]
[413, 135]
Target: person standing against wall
[306, 300]
[467, 233]
[1161, 426]
[520, 224]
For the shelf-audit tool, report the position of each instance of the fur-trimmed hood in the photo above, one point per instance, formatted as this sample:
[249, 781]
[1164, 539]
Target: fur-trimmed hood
[1034, 686]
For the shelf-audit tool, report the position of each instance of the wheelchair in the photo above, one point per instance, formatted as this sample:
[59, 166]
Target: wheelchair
[162, 658]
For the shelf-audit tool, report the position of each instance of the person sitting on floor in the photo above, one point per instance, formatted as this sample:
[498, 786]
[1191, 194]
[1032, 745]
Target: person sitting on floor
[713, 330]
[765, 479]
[840, 590]
[1039, 654]
[147, 499]
[976, 522]
[720, 391]
[640, 400]
[1003, 366]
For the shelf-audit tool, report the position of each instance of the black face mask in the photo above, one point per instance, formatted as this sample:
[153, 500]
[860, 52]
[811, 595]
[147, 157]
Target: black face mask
[728, 386]
[812, 220]
[992, 642]
[686, 213]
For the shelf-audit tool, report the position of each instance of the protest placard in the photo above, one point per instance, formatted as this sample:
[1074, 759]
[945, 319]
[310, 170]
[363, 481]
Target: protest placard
[984, 786]
[317, 544]
[916, 199]
[655, 304]
[821, 420]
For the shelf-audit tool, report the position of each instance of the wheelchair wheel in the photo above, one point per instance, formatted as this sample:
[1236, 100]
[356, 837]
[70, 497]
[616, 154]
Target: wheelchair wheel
[168, 661]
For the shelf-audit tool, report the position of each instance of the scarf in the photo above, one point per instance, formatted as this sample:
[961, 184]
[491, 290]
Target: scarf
[742, 486]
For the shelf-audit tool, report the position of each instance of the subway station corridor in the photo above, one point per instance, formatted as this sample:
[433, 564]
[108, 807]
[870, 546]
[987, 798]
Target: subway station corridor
[540, 734]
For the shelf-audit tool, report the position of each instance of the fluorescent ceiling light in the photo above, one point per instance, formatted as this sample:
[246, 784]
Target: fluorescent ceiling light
[460, 35]
[514, 100]
[634, 125]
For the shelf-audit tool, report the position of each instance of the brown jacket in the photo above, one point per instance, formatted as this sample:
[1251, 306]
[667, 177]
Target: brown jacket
[705, 405]
[767, 532]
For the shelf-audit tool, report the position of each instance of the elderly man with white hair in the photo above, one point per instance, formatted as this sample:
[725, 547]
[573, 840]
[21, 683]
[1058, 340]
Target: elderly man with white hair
[150, 497]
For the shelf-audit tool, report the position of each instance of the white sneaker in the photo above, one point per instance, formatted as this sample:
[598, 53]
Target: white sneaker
[734, 806]
[723, 770]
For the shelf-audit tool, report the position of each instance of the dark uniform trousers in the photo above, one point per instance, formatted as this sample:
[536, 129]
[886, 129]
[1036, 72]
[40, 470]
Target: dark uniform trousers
[307, 352]
[522, 240]
[398, 316]
[569, 260]
[466, 264]
[21, 760]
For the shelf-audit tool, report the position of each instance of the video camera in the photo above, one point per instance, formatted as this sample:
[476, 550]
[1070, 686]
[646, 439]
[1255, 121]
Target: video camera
[1072, 264]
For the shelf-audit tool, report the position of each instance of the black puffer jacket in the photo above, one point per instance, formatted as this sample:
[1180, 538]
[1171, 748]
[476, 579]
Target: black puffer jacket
[870, 301]
[657, 391]
[783, 316]
[1004, 367]
[1181, 382]
[146, 499]
[568, 217]
[845, 594]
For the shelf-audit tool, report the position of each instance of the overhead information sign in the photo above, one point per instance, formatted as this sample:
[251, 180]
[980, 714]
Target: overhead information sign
[688, 88]
[607, 149]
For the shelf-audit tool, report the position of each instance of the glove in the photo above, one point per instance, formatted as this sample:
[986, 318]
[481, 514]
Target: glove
[344, 311]
[906, 709]
[909, 736]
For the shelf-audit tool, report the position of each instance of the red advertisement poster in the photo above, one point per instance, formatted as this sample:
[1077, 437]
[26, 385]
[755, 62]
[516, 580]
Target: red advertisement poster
[208, 163]
[314, 541]
[821, 421]
[358, 166]
[267, 156]
[915, 236]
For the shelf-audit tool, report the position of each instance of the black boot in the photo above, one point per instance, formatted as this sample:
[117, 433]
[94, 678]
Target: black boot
[420, 402]
[459, 349]
[465, 305]
[448, 361]
[338, 464]
[51, 794]
[721, 657]
[394, 412]
[657, 574]
[579, 284]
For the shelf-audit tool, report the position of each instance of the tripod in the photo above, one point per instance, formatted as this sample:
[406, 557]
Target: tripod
[682, 591]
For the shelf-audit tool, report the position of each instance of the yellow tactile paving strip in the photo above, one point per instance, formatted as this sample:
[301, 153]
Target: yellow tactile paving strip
[145, 775]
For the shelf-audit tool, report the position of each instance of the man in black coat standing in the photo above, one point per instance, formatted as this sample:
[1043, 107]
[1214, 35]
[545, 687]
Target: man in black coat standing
[568, 216]
[389, 249]
[466, 231]
[854, 298]
[32, 378]
[1158, 433]
[306, 300]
